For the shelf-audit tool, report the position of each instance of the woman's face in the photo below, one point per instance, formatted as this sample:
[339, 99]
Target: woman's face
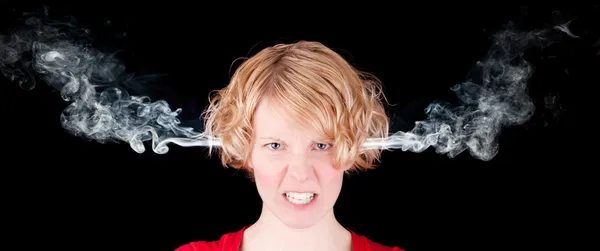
[293, 169]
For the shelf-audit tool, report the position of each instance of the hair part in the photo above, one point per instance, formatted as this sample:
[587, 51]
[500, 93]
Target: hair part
[316, 88]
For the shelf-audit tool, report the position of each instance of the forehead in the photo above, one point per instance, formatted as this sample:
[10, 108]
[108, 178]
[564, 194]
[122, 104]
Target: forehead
[270, 120]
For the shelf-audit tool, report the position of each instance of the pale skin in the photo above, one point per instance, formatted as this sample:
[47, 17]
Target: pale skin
[293, 159]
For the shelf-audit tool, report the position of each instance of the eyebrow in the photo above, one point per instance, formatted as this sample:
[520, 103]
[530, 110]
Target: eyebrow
[271, 138]
[278, 139]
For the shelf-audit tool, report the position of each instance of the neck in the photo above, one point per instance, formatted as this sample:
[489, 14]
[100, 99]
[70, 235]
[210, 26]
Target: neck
[269, 233]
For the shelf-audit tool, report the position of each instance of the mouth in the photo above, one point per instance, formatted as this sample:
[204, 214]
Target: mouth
[300, 198]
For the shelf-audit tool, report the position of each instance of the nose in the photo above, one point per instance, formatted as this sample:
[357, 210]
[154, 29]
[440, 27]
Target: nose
[299, 167]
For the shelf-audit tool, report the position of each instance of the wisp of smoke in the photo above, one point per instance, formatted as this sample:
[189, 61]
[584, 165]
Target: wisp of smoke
[495, 97]
[90, 80]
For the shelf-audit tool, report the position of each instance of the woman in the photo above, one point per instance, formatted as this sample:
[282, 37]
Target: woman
[294, 116]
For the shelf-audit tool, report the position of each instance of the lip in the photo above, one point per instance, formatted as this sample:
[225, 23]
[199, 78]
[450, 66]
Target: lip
[299, 207]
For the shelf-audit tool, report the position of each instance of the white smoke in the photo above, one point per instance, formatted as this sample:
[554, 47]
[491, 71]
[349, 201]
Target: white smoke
[100, 109]
[496, 96]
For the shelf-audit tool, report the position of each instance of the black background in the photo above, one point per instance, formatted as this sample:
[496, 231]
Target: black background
[66, 192]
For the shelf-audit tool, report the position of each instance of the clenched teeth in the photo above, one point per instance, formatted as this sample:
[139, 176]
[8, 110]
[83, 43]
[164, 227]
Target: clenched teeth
[300, 198]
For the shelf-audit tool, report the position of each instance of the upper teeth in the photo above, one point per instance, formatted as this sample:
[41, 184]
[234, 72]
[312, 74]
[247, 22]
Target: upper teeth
[299, 198]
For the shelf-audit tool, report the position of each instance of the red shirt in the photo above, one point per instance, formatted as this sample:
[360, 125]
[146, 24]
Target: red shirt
[233, 241]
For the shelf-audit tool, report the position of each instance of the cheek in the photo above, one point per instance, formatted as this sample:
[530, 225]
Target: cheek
[266, 176]
[329, 177]
[266, 181]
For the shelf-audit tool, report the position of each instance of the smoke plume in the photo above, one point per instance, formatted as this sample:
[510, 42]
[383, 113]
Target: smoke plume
[100, 109]
[62, 56]
[494, 97]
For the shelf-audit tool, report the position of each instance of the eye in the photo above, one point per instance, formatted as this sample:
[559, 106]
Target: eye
[274, 146]
[322, 146]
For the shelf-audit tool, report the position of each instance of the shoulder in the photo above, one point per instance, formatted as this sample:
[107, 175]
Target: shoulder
[362, 243]
[229, 241]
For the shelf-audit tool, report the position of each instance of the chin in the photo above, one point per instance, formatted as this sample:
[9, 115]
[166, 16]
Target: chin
[299, 220]
[300, 216]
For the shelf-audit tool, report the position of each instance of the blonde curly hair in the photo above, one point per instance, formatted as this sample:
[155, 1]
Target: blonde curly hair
[316, 87]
